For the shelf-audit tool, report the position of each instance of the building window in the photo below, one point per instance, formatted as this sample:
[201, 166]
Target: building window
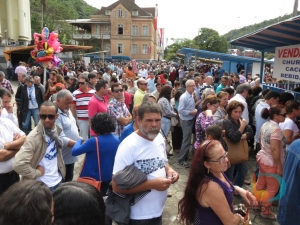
[114, 13]
[145, 31]
[125, 15]
[120, 29]
[120, 48]
[120, 12]
[134, 49]
[107, 47]
[135, 30]
[135, 13]
[107, 29]
[144, 49]
[107, 12]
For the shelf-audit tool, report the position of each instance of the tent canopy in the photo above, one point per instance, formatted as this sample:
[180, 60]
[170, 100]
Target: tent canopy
[284, 33]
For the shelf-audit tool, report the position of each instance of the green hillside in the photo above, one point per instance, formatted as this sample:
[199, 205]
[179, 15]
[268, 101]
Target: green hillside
[233, 34]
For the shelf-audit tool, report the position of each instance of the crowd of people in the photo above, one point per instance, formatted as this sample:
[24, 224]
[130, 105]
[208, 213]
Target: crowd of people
[118, 117]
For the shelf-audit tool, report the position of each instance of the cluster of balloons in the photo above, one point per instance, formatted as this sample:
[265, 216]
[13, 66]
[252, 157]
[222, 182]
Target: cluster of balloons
[47, 46]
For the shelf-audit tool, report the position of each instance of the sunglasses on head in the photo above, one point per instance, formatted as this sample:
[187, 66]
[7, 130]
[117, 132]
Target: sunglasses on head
[44, 116]
[81, 83]
[118, 90]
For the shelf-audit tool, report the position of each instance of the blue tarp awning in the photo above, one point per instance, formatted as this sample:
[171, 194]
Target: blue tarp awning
[189, 52]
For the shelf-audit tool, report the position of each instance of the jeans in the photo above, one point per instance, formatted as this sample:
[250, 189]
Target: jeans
[69, 172]
[34, 113]
[52, 189]
[165, 126]
[84, 128]
[241, 172]
[186, 126]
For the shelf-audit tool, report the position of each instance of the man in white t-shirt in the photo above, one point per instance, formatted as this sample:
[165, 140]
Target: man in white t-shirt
[11, 140]
[70, 72]
[40, 158]
[146, 149]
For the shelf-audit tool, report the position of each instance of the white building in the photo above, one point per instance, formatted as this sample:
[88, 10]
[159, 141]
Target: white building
[15, 22]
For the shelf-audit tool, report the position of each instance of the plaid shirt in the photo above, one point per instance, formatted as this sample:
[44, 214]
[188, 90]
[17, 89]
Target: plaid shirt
[116, 110]
[6, 84]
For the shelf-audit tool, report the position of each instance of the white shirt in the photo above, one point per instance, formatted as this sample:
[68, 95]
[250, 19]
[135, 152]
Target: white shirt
[241, 99]
[144, 73]
[149, 157]
[289, 124]
[72, 73]
[259, 121]
[7, 131]
[10, 116]
[51, 176]
[9, 65]
[30, 105]
[21, 69]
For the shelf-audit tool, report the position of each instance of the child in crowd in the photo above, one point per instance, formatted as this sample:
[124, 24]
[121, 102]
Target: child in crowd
[214, 132]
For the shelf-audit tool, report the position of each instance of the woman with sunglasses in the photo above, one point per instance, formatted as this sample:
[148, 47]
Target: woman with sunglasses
[271, 156]
[237, 129]
[208, 196]
[209, 108]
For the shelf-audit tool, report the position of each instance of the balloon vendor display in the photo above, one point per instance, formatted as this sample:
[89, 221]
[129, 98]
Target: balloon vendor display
[47, 46]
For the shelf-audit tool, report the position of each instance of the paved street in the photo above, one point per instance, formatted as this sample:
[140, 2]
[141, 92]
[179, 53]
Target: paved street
[170, 211]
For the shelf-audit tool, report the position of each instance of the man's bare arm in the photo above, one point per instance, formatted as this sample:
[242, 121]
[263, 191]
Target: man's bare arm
[7, 154]
[16, 144]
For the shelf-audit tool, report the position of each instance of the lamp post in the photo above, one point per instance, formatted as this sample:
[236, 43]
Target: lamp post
[5, 32]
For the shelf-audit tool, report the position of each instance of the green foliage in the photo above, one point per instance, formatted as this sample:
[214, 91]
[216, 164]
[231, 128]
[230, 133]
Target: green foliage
[54, 14]
[178, 43]
[236, 33]
[210, 40]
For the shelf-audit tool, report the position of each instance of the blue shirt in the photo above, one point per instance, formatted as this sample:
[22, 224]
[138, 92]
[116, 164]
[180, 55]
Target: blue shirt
[151, 85]
[219, 88]
[108, 145]
[289, 208]
[127, 131]
[186, 105]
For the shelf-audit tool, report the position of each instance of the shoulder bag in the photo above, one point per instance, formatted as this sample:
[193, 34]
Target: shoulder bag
[90, 180]
[237, 152]
[169, 148]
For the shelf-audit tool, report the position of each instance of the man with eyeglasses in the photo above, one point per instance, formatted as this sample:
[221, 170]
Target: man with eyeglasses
[118, 109]
[79, 107]
[40, 157]
[140, 93]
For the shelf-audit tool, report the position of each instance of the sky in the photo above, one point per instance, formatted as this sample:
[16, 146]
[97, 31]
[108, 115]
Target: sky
[183, 18]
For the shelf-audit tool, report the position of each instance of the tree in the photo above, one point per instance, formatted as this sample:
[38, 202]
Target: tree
[178, 43]
[210, 40]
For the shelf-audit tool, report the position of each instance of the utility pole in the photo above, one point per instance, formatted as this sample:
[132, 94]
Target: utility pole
[295, 11]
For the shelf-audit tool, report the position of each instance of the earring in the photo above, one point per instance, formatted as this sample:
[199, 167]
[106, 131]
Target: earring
[207, 171]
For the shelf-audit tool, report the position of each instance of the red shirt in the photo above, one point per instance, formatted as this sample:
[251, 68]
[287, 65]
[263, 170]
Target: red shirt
[127, 99]
[173, 76]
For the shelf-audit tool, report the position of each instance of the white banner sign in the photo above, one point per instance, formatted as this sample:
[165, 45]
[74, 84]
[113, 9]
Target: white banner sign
[287, 63]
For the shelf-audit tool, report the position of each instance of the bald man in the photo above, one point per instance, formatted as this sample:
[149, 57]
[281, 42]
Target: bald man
[141, 91]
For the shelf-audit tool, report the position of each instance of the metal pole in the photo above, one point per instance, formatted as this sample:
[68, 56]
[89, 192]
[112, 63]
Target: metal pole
[262, 65]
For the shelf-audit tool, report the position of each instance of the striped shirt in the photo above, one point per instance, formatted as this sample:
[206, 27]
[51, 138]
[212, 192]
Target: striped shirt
[81, 101]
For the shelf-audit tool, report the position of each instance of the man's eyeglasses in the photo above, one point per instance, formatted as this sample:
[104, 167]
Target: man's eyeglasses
[44, 116]
[118, 90]
[221, 160]
[82, 83]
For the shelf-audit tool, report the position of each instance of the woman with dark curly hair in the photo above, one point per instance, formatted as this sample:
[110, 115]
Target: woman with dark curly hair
[103, 125]
[166, 109]
[208, 196]
[78, 203]
[26, 203]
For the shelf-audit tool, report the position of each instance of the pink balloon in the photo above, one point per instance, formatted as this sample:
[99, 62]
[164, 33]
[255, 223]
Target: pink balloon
[56, 61]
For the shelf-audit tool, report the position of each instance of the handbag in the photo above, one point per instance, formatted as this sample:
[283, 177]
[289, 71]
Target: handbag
[237, 152]
[169, 147]
[90, 180]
